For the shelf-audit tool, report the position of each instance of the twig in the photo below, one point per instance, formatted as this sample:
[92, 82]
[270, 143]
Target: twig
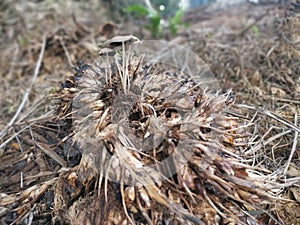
[66, 52]
[291, 181]
[35, 120]
[51, 153]
[81, 28]
[210, 202]
[283, 99]
[13, 136]
[35, 105]
[244, 31]
[26, 95]
[295, 142]
[123, 199]
[269, 140]
[14, 59]
[271, 115]
[143, 211]
[19, 142]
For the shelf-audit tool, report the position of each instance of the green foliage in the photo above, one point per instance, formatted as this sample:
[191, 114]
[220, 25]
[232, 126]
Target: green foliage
[154, 26]
[175, 22]
[255, 30]
[154, 19]
[23, 40]
[210, 35]
[138, 11]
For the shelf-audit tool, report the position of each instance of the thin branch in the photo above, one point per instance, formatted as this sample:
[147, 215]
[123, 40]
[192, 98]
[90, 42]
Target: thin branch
[264, 143]
[295, 142]
[13, 136]
[51, 153]
[26, 95]
[14, 60]
[42, 100]
[244, 31]
[283, 99]
[271, 115]
[66, 52]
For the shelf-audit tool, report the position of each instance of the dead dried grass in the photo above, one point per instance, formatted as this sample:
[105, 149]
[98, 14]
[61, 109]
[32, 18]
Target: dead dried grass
[262, 69]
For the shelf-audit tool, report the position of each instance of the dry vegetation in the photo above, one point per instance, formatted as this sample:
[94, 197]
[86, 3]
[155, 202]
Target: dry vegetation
[248, 176]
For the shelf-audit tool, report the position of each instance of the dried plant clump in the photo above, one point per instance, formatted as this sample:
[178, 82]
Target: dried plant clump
[159, 146]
